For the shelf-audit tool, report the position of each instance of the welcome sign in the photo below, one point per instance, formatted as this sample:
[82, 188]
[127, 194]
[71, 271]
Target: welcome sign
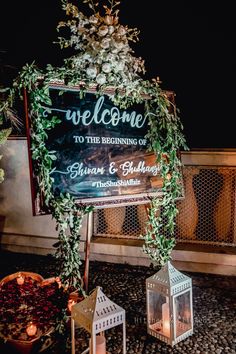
[101, 149]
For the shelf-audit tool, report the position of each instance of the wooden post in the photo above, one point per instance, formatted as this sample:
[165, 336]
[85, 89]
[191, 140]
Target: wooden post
[72, 336]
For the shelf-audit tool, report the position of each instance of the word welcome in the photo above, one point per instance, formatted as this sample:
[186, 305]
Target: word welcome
[101, 115]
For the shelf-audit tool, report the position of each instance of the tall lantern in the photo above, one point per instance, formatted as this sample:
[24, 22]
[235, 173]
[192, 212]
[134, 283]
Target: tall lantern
[97, 313]
[169, 305]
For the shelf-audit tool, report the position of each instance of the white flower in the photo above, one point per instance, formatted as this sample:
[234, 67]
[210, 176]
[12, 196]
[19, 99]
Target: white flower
[115, 50]
[92, 29]
[76, 61]
[87, 57]
[74, 39]
[101, 79]
[120, 65]
[110, 57]
[108, 20]
[93, 19]
[118, 44]
[121, 31]
[91, 71]
[83, 21]
[111, 78]
[98, 60]
[102, 31]
[111, 29]
[95, 45]
[122, 56]
[105, 43]
[73, 28]
[126, 48]
[78, 46]
[81, 29]
[106, 67]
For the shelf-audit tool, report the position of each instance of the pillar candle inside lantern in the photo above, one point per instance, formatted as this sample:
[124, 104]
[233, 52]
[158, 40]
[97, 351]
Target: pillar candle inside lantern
[166, 319]
[187, 316]
[100, 345]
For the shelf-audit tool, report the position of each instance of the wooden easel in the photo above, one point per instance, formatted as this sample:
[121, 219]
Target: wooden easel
[89, 233]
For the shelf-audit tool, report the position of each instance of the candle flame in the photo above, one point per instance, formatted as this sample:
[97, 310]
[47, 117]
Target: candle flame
[31, 330]
[20, 279]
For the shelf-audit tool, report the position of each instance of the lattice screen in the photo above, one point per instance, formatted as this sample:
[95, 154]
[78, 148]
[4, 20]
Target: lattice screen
[206, 214]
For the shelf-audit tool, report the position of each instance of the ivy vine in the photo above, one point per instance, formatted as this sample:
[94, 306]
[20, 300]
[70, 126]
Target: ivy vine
[103, 58]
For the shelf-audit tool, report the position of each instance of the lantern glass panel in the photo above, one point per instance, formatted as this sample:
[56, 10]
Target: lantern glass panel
[183, 316]
[158, 313]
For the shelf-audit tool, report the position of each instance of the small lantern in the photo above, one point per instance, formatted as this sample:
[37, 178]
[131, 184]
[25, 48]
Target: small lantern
[169, 305]
[97, 313]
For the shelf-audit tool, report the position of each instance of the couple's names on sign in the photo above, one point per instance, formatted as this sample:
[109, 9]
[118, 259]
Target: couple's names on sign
[101, 149]
[127, 168]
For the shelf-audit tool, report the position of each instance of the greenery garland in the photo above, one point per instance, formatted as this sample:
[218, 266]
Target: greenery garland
[103, 58]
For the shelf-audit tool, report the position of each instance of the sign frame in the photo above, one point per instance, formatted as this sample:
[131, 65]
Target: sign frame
[38, 205]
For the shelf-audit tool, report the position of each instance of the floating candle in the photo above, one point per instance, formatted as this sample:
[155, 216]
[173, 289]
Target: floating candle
[31, 330]
[20, 279]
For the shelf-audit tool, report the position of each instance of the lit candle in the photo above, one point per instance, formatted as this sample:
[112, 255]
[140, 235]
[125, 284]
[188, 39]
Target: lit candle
[100, 345]
[20, 279]
[31, 330]
[58, 280]
[71, 302]
[187, 316]
[166, 318]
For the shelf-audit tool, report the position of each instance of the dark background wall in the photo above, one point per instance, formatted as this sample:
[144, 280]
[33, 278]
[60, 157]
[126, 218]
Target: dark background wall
[190, 45]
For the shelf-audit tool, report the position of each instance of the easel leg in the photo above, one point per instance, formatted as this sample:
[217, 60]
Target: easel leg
[72, 336]
[87, 248]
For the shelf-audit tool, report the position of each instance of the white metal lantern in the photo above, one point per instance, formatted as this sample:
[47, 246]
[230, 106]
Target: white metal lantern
[169, 305]
[97, 313]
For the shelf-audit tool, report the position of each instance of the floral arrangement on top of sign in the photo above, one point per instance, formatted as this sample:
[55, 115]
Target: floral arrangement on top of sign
[104, 58]
[104, 55]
